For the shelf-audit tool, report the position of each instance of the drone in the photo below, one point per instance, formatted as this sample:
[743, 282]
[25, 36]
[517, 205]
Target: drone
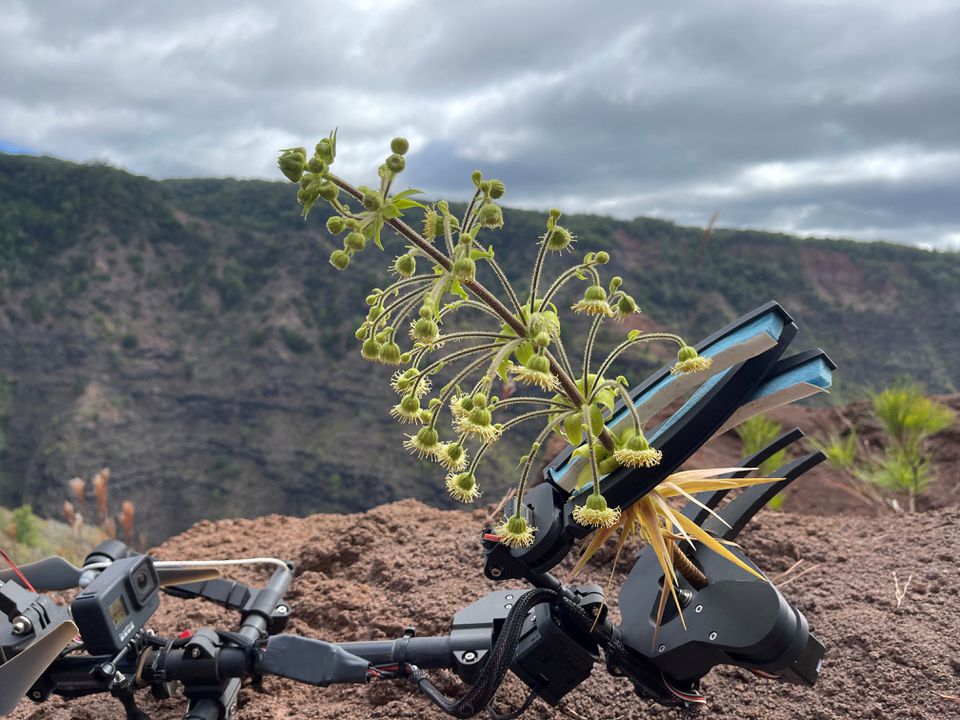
[549, 634]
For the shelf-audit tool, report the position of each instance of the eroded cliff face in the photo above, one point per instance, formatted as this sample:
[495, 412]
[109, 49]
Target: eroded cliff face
[191, 336]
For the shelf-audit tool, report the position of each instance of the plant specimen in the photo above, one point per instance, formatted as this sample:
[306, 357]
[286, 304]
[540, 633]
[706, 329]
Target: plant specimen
[449, 268]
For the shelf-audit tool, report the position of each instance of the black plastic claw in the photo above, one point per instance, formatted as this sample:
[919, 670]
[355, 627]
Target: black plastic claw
[711, 499]
[739, 511]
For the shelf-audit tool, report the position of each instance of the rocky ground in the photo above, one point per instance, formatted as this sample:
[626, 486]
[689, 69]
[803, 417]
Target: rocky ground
[370, 575]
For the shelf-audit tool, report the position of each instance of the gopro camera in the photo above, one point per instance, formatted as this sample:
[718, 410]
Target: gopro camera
[117, 604]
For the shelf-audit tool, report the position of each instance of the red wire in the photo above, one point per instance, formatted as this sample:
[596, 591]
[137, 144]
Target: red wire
[16, 570]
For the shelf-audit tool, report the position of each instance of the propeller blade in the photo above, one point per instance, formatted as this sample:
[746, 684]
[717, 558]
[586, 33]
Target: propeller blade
[18, 674]
[47, 575]
[186, 575]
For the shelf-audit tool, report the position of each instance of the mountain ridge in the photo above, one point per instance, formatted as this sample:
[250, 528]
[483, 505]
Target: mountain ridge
[191, 335]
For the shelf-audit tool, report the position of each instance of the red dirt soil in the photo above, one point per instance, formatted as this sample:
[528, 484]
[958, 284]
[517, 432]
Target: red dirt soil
[369, 575]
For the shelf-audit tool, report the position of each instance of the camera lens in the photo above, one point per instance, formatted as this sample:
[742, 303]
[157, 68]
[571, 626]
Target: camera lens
[142, 580]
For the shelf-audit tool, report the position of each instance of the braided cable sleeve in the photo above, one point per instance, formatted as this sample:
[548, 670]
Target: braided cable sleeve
[498, 663]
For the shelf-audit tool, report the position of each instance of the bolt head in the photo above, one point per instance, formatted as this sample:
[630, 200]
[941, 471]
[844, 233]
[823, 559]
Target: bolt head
[698, 609]
[282, 610]
[496, 572]
[508, 606]
[509, 597]
[713, 636]
[469, 656]
[36, 695]
[195, 653]
[661, 648]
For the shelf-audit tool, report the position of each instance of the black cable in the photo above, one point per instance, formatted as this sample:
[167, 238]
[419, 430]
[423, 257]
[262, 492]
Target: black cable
[498, 663]
[513, 714]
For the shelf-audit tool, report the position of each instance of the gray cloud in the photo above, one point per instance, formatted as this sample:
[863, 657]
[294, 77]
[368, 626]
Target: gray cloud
[808, 116]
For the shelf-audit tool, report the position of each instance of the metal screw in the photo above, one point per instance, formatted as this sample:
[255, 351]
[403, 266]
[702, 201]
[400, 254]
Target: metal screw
[507, 606]
[232, 711]
[21, 625]
[495, 572]
[698, 609]
[509, 597]
[119, 677]
[195, 653]
[713, 636]
[282, 610]
[469, 656]
[661, 648]
[36, 695]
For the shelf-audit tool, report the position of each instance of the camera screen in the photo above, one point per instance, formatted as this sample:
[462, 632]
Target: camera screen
[119, 611]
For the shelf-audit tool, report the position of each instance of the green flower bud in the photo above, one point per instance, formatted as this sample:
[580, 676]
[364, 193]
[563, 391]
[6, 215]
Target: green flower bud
[602, 257]
[396, 163]
[370, 349]
[425, 330]
[306, 179]
[292, 162]
[373, 200]
[425, 312]
[465, 269]
[478, 400]
[324, 150]
[355, 241]
[328, 191]
[541, 340]
[389, 354]
[686, 353]
[339, 259]
[317, 165]
[399, 145]
[374, 312]
[485, 186]
[383, 336]
[554, 214]
[626, 305]
[594, 292]
[405, 357]
[410, 404]
[497, 189]
[372, 298]
[559, 239]
[491, 216]
[476, 176]
[538, 363]
[405, 265]
[335, 224]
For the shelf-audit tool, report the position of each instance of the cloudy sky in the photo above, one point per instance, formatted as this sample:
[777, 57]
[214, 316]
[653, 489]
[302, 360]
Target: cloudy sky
[816, 116]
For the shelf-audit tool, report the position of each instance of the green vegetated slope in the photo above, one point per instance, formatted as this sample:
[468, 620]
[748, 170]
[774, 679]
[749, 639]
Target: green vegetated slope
[191, 335]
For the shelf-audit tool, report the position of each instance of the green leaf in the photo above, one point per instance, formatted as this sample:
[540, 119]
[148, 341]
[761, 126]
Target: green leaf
[585, 476]
[377, 227]
[404, 203]
[407, 193]
[390, 211]
[596, 420]
[633, 335]
[571, 426]
[579, 275]
[457, 289]
[606, 398]
[524, 352]
[502, 370]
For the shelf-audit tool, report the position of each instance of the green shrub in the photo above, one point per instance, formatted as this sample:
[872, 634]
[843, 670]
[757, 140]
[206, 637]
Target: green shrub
[294, 341]
[908, 418]
[25, 525]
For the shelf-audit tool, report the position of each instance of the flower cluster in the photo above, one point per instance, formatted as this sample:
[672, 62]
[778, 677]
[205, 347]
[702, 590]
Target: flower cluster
[518, 339]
